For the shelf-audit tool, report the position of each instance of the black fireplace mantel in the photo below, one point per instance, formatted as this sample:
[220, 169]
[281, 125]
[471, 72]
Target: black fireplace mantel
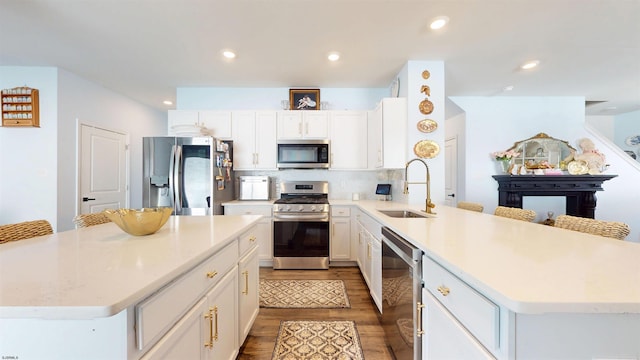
[579, 190]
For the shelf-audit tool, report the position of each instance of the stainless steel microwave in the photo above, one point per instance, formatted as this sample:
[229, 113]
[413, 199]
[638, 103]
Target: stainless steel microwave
[303, 154]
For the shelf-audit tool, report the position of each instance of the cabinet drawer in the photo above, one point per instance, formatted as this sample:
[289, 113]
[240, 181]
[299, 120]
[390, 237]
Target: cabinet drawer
[159, 312]
[477, 313]
[248, 240]
[247, 210]
[340, 211]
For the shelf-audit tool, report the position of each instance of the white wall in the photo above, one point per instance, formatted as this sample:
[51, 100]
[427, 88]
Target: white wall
[84, 102]
[215, 98]
[28, 155]
[495, 123]
[38, 165]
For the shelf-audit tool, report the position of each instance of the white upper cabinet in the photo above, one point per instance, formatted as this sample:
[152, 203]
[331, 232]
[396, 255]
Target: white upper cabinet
[387, 134]
[218, 122]
[348, 144]
[254, 140]
[303, 124]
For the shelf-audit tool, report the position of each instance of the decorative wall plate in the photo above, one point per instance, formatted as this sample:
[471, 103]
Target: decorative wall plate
[426, 107]
[426, 149]
[426, 74]
[577, 168]
[427, 125]
[395, 88]
[633, 140]
[426, 90]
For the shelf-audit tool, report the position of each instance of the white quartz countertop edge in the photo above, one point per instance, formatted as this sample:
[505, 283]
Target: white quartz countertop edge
[530, 268]
[100, 270]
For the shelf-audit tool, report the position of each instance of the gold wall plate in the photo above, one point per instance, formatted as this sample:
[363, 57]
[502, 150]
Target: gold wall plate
[426, 149]
[427, 125]
[426, 74]
[426, 107]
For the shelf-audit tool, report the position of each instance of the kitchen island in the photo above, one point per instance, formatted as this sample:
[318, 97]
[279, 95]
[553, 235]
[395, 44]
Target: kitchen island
[541, 292]
[100, 293]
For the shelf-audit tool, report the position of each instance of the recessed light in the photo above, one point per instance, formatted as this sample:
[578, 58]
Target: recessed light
[168, 102]
[333, 56]
[439, 22]
[530, 65]
[229, 54]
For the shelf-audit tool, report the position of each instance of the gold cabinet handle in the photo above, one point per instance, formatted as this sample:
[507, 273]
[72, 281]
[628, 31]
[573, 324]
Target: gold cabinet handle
[419, 328]
[212, 274]
[252, 238]
[209, 316]
[215, 314]
[246, 282]
[443, 290]
[369, 250]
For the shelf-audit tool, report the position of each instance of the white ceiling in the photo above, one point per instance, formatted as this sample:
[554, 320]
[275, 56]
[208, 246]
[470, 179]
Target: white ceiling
[145, 49]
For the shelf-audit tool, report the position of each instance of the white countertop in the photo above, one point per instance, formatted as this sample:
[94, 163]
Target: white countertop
[527, 267]
[100, 270]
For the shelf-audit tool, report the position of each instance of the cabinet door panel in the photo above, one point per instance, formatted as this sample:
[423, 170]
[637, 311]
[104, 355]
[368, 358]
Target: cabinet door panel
[348, 140]
[340, 232]
[265, 140]
[316, 125]
[218, 121]
[248, 277]
[445, 337]
[221, 326]
[184, 340]
[244, 135]
[290, 125]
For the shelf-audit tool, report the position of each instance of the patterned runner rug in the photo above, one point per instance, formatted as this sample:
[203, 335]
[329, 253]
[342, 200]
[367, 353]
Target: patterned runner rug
[303, 294]
[307, 340]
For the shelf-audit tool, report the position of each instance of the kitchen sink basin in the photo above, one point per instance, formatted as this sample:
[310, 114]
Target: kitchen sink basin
[404, 214]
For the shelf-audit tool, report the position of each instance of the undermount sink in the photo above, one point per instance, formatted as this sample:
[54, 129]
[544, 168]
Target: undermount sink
[404, 214]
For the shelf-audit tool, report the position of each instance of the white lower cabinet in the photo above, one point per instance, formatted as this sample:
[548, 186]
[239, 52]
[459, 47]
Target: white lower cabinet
[445, 337]
[263, 230]
[340, 244]
[248, 297]
[209, 329]
[369, 257]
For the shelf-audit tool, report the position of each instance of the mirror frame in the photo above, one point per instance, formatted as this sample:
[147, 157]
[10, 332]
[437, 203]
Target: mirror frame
[542, 155]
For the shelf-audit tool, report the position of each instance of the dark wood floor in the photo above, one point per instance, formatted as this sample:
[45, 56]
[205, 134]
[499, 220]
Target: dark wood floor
[262, 337]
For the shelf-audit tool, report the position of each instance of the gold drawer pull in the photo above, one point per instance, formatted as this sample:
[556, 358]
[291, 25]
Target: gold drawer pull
[443, 290]
[215, 313]
[211, 274]
[209, 316]
[246, 282]
[252, 238]
[419, 331]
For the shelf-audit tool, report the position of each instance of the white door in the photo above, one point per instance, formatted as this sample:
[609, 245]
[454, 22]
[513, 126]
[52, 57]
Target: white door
[103, 170]
[451, 171]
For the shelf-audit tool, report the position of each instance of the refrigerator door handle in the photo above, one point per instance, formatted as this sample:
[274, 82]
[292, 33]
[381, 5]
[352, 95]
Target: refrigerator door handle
[172, 178]
[176, 179]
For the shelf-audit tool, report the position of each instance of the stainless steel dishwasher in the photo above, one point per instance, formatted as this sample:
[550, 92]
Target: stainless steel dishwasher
[401, 295]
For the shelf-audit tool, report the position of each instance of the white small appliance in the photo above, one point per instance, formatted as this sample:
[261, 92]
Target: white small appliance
[254, 188]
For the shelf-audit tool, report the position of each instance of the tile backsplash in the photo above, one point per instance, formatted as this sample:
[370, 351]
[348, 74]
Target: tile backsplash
[342, 184]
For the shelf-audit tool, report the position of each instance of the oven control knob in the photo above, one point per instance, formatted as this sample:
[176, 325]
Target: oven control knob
[288, 208]
[313, 208]
[301, 207]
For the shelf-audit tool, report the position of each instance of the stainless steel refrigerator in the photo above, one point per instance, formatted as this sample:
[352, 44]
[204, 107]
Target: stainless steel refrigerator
[193, 175]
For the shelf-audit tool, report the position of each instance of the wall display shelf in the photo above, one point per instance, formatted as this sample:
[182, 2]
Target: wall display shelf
[20, 107]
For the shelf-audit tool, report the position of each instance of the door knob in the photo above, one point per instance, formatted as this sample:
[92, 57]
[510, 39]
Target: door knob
[85, 199]
[452, 195]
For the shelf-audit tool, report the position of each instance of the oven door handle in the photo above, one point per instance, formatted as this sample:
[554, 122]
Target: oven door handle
[301, 217]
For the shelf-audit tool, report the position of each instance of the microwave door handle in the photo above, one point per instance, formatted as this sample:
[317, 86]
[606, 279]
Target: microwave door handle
[177, 172]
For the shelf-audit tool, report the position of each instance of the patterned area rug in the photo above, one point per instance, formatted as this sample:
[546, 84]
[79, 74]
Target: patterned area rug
[310, 340]
[303, 294]
[397, 290]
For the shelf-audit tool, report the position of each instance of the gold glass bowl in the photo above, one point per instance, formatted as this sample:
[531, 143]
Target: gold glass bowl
[138, 222]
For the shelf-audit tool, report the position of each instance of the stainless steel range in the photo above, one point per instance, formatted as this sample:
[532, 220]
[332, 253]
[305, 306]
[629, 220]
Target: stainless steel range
[301, 226]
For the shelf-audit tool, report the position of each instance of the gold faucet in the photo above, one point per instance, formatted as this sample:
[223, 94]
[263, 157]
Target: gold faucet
[428, 204]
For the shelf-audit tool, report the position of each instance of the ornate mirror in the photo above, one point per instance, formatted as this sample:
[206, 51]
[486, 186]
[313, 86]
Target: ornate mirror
[542, 151]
